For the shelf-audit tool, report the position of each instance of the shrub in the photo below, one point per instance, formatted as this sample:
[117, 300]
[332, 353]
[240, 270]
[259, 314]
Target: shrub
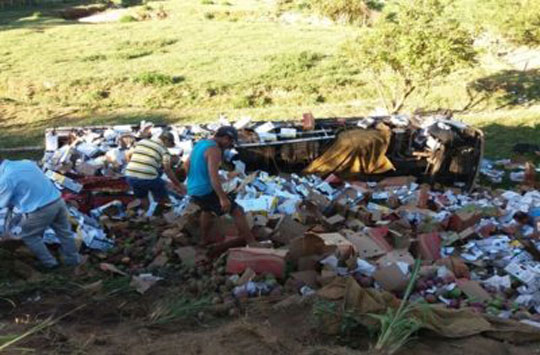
[97, 95]
[127, 18]
[127, 3]
[242, 102]
[414, 44]
[290, 65]
[288, 5]
[94, 58]
[134, 54]
[156, 79]
[517, 20]
[207, 2]
[348, 11]
[522, 22]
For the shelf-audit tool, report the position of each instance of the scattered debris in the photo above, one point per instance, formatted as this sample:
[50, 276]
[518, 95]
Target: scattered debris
[478, 247]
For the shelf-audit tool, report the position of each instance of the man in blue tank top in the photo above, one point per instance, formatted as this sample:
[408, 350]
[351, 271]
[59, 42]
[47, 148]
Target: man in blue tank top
[204, 185]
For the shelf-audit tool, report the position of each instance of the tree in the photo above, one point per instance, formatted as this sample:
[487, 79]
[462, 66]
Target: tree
[518, 20]
[412, 44]
[348, 11]
[352, 12]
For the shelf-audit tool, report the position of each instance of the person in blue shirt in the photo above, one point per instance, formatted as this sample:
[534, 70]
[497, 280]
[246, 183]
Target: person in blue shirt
[24, 186]
[204, 185]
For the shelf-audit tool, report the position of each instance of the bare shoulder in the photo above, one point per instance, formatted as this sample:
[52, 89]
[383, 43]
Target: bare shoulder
[213, 152]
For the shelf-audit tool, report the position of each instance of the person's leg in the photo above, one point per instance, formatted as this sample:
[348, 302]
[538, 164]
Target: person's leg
[242, 224]
[159, 191]
[145, 203]
[140, 191]
[62, 228]
[33, 227]
[205, 226]
[209, 205]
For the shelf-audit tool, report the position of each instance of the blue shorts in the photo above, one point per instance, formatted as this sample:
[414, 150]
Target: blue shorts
[141, 187]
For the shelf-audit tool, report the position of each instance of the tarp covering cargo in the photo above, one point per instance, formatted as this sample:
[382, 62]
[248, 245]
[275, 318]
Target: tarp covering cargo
[356, 152]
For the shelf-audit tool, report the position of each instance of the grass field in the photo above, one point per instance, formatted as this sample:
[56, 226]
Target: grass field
[212, 57]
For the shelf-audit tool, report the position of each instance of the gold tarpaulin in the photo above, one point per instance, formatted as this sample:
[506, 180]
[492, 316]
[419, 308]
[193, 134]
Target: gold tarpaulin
[356, 151]
[450, 323]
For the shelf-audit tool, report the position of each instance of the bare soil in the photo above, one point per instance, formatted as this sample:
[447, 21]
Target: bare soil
[119, 325]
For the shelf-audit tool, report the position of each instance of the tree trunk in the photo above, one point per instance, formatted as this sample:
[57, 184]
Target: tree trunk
[398, 104]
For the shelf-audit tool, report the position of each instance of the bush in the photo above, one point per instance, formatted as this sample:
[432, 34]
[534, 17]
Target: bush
[242, 102]
[207, 2]
[414, 44]
[94, 58]
[522, 22]
[517, 20]
[288, 5]
[134, 54]
[348, 11]
[127, 18]
[156, 79]
[290, 65]
[127, 3]
[255, 97]
[99, 95]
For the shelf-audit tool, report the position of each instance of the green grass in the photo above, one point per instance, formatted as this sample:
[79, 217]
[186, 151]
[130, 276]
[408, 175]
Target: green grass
[398, 326]
[179, 307]
[200, 61]
[504, 128]
[127, 18]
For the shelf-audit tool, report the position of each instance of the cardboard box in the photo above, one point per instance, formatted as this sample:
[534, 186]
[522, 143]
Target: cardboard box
[335, 220]
[343, 246]
[462, 220]
[288, 229]
[473, 290]
[308, 277]
[319, 244]
[391, 278]
[260, 260]
[429, 246]
[366, 247]
[396, 181]
[400, 255]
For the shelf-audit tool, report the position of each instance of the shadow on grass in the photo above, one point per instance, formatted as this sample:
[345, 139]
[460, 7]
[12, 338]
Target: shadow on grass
[510, 87]
[55, 14]
[36, 16]
[500, 140]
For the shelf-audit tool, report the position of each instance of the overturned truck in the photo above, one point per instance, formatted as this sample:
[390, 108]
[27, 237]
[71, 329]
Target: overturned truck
[434, 149]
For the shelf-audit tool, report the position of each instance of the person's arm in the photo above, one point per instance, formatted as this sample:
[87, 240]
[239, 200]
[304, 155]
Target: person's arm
[129, 154]
[171, 175]
[186, 165]
[213, 158]
[6, 192]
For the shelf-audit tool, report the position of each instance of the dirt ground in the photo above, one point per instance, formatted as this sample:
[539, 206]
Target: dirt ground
[268, 325]
[110, 317]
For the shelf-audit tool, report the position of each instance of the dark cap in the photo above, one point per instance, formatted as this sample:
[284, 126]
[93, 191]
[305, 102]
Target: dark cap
[167, 137]
[228, 131]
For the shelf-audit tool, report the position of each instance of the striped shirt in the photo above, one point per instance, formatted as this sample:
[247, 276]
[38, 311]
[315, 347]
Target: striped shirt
[148, 157]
